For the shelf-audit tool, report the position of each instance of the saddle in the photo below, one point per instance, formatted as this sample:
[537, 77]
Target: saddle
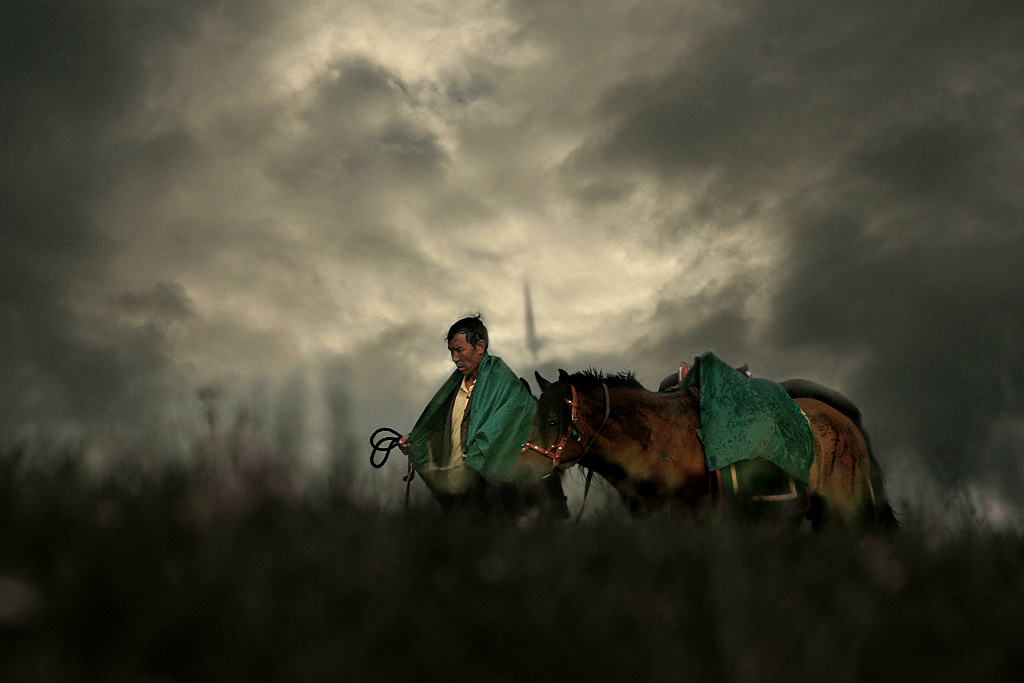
[757, 442]
[674, 381]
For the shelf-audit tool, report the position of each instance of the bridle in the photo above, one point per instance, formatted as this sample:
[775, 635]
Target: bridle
[554, 451]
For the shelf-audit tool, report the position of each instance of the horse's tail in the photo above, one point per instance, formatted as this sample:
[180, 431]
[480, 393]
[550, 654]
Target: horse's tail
[882, 516]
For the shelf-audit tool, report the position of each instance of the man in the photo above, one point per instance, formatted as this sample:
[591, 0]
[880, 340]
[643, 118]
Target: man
[466, 443]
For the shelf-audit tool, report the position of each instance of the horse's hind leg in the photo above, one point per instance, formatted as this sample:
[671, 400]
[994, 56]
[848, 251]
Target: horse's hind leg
[840, 471]
[817, 513]
[845, 474]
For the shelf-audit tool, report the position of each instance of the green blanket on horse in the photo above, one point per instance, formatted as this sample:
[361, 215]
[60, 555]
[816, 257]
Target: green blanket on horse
[743, 418]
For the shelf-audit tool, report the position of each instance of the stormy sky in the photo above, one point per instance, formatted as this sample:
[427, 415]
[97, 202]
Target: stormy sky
[291, 200]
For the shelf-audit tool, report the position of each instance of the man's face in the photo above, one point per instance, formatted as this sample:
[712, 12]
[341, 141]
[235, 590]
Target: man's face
[466, 358]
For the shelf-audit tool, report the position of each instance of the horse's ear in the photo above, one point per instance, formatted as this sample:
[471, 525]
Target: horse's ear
[544, 384]
[563, 376]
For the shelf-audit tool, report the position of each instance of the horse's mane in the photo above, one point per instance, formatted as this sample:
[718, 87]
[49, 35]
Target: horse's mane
[593, 378]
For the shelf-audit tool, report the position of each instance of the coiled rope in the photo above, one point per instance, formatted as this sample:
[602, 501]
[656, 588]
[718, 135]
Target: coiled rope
[386, 443]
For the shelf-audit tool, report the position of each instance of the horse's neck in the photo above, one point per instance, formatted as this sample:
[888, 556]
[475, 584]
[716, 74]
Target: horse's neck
[644, 431]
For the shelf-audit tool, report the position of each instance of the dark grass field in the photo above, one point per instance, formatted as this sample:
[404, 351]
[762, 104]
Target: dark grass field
[164, 574]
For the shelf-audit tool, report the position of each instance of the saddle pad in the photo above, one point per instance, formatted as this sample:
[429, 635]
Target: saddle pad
[743, 419]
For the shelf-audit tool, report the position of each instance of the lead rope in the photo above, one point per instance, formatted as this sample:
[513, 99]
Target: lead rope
[590, 472]
[408, 483]
[385, 444]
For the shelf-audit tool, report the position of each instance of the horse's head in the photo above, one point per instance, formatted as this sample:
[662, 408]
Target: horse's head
[553, 438]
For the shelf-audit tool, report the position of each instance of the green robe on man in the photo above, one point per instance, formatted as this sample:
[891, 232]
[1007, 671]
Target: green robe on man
[498, 422]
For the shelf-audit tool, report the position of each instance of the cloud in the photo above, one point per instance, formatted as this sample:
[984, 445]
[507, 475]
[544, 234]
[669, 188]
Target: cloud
[248, 193]
[877, 152]
[358, 131]
[71, 77]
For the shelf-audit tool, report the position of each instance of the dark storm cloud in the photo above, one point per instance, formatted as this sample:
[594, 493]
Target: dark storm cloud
[359, 133]
[361, 153]
[167, 301]
[883, 146]
[366, 160]
[722, 328]
[70, 71]
[772, 93]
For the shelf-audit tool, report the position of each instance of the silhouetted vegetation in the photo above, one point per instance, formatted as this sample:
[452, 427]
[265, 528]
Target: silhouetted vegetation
[167, 573]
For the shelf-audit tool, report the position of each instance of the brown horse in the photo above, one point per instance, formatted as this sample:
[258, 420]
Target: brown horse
[646, 445]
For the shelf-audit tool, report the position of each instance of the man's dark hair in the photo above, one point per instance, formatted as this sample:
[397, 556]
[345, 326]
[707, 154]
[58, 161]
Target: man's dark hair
[474, 329]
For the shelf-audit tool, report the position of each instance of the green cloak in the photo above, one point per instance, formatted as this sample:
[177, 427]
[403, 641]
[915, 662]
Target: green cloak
[501, 414]
[743, 418]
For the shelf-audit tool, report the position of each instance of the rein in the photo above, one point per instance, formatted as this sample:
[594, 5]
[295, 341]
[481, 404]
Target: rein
[607, 412]
[554, 451]
[590, 471]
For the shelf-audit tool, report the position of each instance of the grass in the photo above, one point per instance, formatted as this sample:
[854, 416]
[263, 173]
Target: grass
[165, 573]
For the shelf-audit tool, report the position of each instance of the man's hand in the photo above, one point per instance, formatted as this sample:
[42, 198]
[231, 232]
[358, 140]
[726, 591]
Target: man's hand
[403, 444]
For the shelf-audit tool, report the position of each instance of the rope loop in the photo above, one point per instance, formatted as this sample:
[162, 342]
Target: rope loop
[386, 443]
